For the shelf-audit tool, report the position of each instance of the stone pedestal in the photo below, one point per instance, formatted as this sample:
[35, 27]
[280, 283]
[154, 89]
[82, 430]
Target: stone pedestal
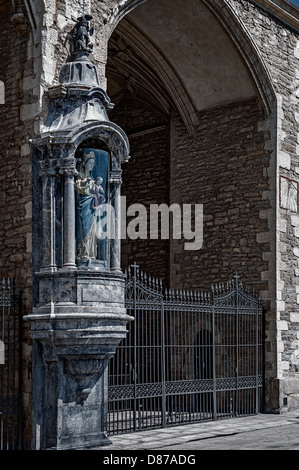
[76, 327]
[72, 411]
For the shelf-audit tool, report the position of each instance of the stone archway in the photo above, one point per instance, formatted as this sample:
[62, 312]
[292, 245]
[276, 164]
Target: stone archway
[213, 126]
[238, 34]
[222, 154]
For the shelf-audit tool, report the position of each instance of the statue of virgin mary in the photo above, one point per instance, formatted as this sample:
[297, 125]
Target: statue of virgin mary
[90, 197]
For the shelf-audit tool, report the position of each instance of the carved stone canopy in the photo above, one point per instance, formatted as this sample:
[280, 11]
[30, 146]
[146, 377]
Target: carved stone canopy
[78, 99]
[62, 143]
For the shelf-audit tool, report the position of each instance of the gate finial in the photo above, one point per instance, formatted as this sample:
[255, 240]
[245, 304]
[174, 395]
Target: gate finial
[237, 277]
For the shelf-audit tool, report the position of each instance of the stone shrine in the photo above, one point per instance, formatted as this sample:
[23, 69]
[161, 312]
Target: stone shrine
[78, 316]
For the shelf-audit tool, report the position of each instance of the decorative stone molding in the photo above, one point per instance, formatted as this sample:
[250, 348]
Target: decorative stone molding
[84, 370]
[19, 19]
[55, 167]
[67, 166]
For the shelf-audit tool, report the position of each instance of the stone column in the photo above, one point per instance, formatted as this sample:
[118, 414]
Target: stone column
[48, 216]
[115, 180]
[69, 237]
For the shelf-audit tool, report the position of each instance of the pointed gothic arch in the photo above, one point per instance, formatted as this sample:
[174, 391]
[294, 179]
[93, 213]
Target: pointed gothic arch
[238, 34]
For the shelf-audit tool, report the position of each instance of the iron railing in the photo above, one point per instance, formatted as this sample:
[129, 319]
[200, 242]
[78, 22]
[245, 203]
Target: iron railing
[10, 367]
[189, 356]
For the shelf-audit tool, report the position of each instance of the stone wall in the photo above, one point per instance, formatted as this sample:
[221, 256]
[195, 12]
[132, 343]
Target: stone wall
[221, 166]
[17, 117]
[272, 226]
[15, 177]
[273, 230]
[278, 45]
[145, 179]
[226, 166]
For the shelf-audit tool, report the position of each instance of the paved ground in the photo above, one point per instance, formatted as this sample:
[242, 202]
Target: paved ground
[260, 432]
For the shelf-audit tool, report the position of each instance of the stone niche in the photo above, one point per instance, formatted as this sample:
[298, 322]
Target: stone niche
[78, 316]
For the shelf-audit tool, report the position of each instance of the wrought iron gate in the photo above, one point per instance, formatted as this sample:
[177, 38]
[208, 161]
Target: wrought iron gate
[189, 356]
[10, 367]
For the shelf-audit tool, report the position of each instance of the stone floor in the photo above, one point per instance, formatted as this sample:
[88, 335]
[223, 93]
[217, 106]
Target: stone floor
[260, 432]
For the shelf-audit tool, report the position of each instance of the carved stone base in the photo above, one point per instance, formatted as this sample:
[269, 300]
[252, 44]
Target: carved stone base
[76, 327]
[70, 397]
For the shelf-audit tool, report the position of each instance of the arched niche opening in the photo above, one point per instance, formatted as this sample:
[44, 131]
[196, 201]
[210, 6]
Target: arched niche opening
[94, 218]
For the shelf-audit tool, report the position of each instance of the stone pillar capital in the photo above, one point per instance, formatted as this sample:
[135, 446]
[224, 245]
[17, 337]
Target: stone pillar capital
[47, 168]
[56, 166]
[115, 177]
[67, 166]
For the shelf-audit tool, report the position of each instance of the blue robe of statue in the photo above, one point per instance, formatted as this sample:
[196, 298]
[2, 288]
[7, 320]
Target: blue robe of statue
[90, 196]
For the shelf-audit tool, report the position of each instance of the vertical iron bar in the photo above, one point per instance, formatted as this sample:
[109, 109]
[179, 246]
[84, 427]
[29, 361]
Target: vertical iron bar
[230, 361]
[263, 352]
[20, 394]
[197, 320]
[146, 355]
[257, 361]
[189, 346]
[163, 365]
[237, 346]
[183, 403]
[2, 365]
[205, 370]
[143, 352]
[250, 369]
[214, 363]
[8, 363]
[15, 409]
[120, 377]
[205, 326]
[134, 345]
[173, 348]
